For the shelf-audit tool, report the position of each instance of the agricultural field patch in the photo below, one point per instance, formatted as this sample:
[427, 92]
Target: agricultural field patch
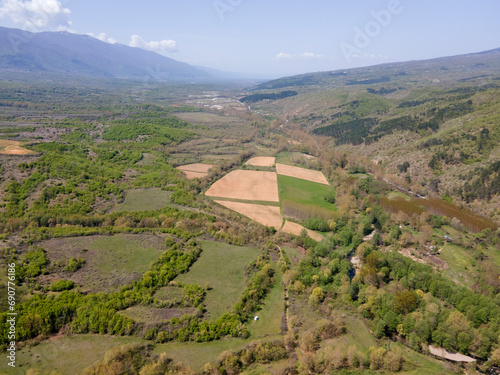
[144, 200]
[222, 268]
[196, 167]
[302, 173]
[261, 161]
[14, 148]
[208, 119]
[269, 216]
[110, 261]
[195, 170]
[304, 192]
[294, 228]
[246, 185]
[191, 175]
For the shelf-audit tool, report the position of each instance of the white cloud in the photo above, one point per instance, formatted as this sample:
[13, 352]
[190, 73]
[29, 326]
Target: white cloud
[37, 15]
[162, 46]
[103, 37]
[302, 56]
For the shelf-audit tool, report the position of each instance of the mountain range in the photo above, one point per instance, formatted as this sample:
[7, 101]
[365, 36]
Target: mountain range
[63, 52]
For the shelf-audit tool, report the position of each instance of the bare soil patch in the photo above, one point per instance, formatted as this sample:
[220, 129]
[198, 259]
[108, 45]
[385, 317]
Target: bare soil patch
[269, 216]
[191, 175]
[294, 228]
[196, 167]
[455, 357]
[262, 161]
[309, 157]
[14, 148]
[246, 185]
[431, 260]
[302, 173]
[196, 170]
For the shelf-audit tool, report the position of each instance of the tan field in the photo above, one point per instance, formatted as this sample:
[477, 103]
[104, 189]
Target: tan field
[197, 167]
[246, 185]
[294, 228]
[302, 173]
[262, 161]
[269, 216]
[191, 175]
[196, 170]
[14, 148]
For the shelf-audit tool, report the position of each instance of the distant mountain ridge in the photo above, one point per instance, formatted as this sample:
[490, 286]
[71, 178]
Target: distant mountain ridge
[63, 52]
[468, 66]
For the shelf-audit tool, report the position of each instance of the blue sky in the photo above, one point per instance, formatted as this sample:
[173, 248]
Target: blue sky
[273, 37]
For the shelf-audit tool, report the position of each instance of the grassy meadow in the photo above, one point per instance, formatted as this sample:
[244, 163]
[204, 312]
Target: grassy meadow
[221, 267]
[144, 200]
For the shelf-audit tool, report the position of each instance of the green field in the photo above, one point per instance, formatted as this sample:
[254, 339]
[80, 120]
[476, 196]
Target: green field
[145, 200]
[460, 262]
[271, 313]
[67, 355]
[289, 157]
[222, 267]
[303, 191]
[195, 355]
[110, 261]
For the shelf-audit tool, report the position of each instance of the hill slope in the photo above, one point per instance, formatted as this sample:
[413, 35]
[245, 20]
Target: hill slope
[54, 52]
[432, 126]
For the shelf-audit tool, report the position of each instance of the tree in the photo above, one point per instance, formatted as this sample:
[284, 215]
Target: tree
[405, 302]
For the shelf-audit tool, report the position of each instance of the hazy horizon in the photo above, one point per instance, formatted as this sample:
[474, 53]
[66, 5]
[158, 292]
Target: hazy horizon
[272, 40]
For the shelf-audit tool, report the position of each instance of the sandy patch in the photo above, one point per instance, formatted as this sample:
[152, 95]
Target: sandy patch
[246, 185]
[197, 167]
[294, 228]
[269, 216]
[302, 173]
[14, 148]
[456, 357]
[261, 161]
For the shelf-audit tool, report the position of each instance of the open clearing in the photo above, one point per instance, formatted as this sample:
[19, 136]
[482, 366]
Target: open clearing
[246, 185]
[270, 315]
[153, 315]
[195, 355]
[14, 148]
[68, 355]
[110, 261]
[261, 161]
[302, 173]
[222, 266]
[145, 200]
[294, 228]
[269, 216]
